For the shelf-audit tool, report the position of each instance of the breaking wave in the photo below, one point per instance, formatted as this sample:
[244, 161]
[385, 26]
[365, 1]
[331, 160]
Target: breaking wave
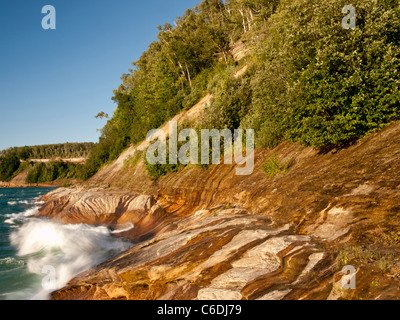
[64, 249]
[13, 218]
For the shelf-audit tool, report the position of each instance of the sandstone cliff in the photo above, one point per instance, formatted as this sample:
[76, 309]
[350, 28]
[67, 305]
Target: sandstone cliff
[209, 234]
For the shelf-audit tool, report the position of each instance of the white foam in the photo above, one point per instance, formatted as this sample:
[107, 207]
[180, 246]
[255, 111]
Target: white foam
[14, 217]
[16, 202]
[11, 260]
[69, 249]
[123, 228]
[32, 201]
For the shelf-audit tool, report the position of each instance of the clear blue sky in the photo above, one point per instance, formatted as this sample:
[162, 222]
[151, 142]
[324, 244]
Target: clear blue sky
[53, 82]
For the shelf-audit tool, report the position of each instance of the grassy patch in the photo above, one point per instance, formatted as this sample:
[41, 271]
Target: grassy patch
[133, 160]
[356, 256]
[272, 166]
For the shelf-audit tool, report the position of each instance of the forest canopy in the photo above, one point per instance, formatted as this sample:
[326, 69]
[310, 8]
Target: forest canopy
[51, 151]
[309, 80]
[15, 160]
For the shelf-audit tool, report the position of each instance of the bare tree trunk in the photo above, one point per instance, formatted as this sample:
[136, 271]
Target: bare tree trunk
[243, 19]
[250, 19]
[226, 60]
[183, 71]
[188, 73]
[171, 60]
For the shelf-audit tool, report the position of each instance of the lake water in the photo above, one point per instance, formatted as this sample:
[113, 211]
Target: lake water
[38, 256]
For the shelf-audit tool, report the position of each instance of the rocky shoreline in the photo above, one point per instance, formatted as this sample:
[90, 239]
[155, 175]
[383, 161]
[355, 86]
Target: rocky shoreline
[209, 234]
[223, 253]
[28, 185]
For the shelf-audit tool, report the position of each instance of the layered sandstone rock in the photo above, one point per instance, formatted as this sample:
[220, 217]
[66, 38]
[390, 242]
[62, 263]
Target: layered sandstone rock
[223, 257]
[209, 234]
[94, 207]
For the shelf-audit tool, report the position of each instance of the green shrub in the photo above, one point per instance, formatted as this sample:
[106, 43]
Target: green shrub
[35, 172]
[272, 166]
[344, 83]
[23, 166]
[158, 170]
[319, 84]
[54, 170]
[132, 161]
[8, 165]
[309, 80]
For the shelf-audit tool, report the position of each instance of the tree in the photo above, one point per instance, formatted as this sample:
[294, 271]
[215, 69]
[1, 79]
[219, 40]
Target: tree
[101, 115]
[8, 165]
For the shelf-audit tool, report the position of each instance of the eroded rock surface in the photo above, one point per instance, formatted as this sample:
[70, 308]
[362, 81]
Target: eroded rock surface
[222, 257]
[209, 234]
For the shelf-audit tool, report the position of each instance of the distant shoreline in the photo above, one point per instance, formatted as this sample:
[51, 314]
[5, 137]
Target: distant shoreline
[20, 182]
[4, 185]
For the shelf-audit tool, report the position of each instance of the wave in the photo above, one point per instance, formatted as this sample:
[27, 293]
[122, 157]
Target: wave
[16, 202]
[13, 218]
[123, 228]
[62, 251]
[11, 261]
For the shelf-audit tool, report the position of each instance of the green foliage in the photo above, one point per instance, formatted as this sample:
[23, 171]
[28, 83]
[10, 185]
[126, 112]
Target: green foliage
[312, 81]
[198, 89]
[215, 152]
[272, 166]
[268, 111]
[54, 170]
[101, 115]
[8, 165]
[383, 258]
[51, 151]
[158, 170]
[348, 85]
[172, 75]
[34, 173]
[132, 161]
[13, 161]
[308, 80]
[231, 100]
[99, 155]
[24, 165]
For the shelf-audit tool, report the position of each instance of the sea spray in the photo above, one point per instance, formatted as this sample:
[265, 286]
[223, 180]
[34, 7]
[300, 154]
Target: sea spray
[14, 218]
[31, 248]
[123, 228]
[69, 249]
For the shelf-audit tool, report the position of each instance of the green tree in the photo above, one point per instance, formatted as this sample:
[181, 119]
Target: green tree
[8, 165]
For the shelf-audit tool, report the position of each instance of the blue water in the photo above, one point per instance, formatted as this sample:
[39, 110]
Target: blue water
[37, 255]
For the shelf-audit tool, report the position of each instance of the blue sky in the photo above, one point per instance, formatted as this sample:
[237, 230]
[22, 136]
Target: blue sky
[53, 82]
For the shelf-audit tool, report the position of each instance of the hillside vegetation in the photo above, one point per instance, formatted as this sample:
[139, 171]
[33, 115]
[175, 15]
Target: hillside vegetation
[15, 160]
[325, 186]
[309, 80]
[51, 151]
